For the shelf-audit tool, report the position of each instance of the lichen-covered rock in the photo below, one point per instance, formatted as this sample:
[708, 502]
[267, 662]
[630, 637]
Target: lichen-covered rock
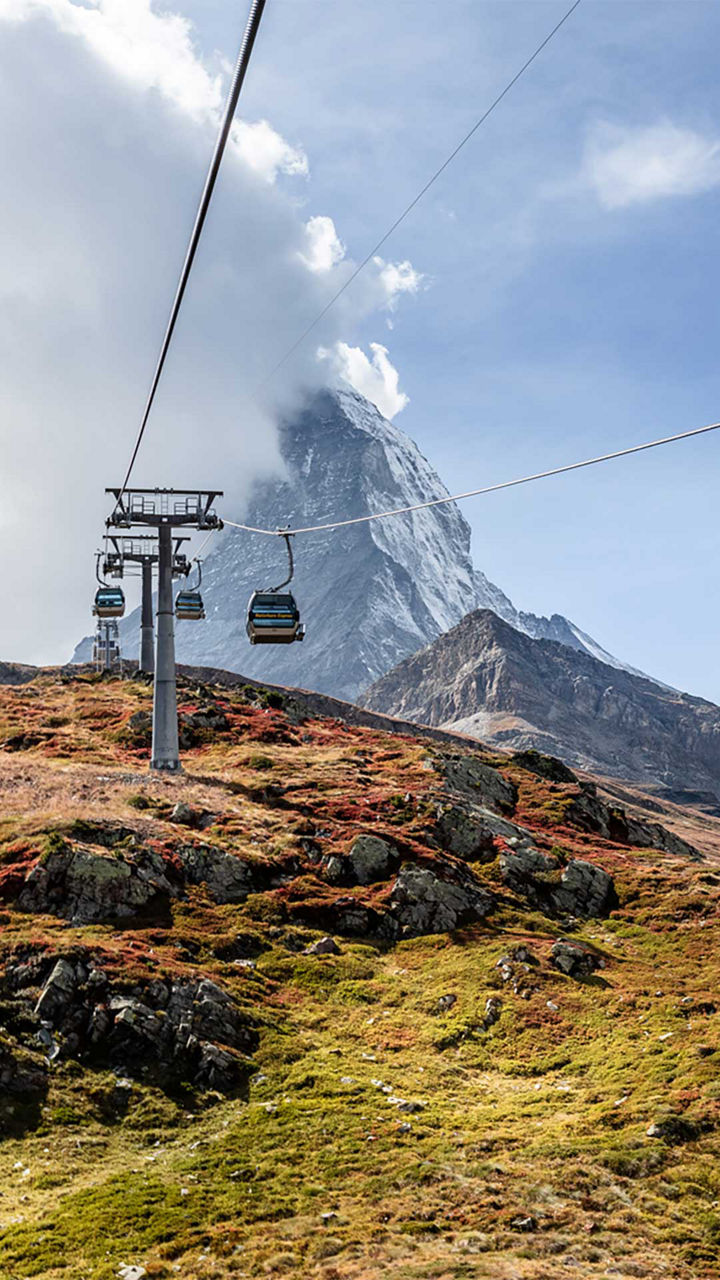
[584, 890]
[423, 903]
[463, 832]
[467, 776]
[581, 890]
[202, 725]
[227, 878]
[651, 835]
[590, 813]
[83, 885]
[544, 766]
[574, 959]
[323, 947]
[57, 993]
[183, 814]
[370, 860]
[522, 871]
[169, 1029]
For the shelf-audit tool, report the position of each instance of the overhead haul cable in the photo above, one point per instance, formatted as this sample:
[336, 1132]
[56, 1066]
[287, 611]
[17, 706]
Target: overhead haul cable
[241, 66]
[475, 493]
[416, 200]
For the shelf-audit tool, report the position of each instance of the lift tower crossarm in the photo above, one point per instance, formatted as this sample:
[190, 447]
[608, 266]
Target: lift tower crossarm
[156, 508]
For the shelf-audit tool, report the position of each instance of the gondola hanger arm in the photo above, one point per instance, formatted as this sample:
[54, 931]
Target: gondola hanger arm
[281, 533]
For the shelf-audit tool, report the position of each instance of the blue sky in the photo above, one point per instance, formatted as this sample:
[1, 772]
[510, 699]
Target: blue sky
[567, 303]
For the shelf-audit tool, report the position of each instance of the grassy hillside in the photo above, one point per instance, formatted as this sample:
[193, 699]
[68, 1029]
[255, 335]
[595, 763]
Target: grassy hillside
[411, 1104]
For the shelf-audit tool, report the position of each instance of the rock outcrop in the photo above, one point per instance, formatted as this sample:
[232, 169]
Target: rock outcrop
[423, 903]
[574, 959]
[167, 1029]
[590, 813]
[88, 884]
[370, 859]
[579, 889]
[225, 877]
[84, 885]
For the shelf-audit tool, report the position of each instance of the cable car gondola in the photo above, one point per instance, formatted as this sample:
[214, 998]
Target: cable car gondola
[273, 616]
[109, 602]
[189, 604]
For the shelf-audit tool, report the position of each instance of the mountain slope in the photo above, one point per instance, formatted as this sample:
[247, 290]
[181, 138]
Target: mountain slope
[338, 1003]
[486, 679]
[370, 594]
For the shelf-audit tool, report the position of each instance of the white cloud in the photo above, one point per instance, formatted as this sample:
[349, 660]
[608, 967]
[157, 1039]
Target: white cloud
[324, 246]
[102, 161]
[377, 378]
[154, 52]
[150, 50]
[627, 166]
[266, 152]
[397, 278]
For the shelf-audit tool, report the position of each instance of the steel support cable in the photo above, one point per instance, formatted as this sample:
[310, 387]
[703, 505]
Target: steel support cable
[431, 181]
[203, 544]
[475, 493]
[241, 66]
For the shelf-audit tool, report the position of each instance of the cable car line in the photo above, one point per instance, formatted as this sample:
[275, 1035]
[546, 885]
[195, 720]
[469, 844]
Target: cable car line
[474, 493]
[401, 218]
[241, 66]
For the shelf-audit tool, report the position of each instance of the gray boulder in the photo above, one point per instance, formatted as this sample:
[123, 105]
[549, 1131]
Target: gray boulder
[464, 833]
[57, 993]
[182, 814]
[581, 890]
[584, 890]
[590, 813]
[85, 885]
[371, 859]
[323, 947]
[423, 903]
[227, 878]
[522, 871]
[468, 777]
[574, 959]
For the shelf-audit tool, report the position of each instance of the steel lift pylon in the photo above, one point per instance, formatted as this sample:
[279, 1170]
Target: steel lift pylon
[165, 510]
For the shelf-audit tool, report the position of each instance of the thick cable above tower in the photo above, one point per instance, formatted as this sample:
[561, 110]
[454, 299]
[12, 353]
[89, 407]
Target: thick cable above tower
[241, 66]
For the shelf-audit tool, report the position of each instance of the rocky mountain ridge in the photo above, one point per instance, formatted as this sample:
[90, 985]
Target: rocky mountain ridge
[488, 680]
